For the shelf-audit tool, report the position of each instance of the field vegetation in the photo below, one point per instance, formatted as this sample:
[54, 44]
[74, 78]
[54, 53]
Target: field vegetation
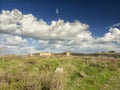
[78, 73]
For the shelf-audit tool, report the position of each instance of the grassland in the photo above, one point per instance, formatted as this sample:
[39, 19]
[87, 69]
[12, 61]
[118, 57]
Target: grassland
[79, 73]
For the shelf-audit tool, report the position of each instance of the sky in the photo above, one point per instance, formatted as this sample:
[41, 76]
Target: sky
[28, 26]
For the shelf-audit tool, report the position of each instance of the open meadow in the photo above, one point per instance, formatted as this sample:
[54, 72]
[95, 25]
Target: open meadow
[59, 73]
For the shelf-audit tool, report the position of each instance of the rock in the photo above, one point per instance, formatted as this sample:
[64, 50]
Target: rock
[82, 74]
[59, 70]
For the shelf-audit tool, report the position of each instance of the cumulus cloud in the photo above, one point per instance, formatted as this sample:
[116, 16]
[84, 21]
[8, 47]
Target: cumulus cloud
[25, 33]
[10, 44]
[27, 25]
[112, 35]
[111, 40]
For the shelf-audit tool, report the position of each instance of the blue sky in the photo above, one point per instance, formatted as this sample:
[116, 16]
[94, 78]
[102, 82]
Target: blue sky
[101, 18]
[99, 14]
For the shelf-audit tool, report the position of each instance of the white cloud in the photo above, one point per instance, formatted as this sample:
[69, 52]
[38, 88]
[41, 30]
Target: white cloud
[29, 26]
[112, 35]
[23, 33]
[15, 40]
[10, 44]
[116, 25]
[57, 11]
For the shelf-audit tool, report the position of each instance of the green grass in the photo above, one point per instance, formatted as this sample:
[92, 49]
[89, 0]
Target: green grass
[79, 73]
